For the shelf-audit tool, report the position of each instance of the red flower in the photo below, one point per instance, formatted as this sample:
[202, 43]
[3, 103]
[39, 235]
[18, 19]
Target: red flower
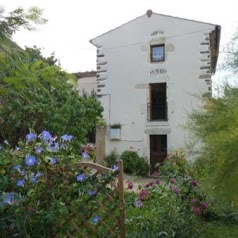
[150, 184]
[204, 205]
[194, 201]
[176, 190]
[158, 181]
[143, 194]
[173, 180]
[194, 183]
[197, 210]
[130, 185]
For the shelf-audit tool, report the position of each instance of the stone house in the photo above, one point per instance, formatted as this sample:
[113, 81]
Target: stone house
[148, 73]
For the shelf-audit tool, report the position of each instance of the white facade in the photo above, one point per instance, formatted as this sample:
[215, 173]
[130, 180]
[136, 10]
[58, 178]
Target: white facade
[126, 75]
[86, 82]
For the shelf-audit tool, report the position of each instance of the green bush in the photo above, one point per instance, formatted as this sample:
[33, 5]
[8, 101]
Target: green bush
[134, 164]
[44, 97]
[111, 159]
[176, 165]
[39, 196]
[171, 206]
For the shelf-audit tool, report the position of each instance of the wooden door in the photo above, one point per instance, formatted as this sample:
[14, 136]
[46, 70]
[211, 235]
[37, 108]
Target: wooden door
[158, 150]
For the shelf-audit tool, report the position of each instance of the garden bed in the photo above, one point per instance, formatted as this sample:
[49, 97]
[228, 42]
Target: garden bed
[220, 230]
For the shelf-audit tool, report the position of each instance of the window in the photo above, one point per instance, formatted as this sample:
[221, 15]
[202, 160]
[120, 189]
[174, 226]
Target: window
[157, 108]
[157, 53]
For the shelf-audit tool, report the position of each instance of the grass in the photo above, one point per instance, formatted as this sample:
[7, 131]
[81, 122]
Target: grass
[221, 230]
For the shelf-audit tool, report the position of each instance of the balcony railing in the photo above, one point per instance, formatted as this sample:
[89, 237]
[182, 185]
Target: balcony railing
[157, 112]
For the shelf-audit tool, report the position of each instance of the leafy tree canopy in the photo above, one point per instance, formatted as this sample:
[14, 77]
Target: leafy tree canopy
[20, 18]
[36, 94]
[216, 126]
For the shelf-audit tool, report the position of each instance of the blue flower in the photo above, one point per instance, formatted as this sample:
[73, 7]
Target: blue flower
[66, 137]
[38, 174]
[80, 177]
[138, 203]
[30, 160]
[1, 148]
[96, 219]
[53, 147]
[46, 136]
[31, 136]
[85, 155]
[17, 148]
[17, 167]
[34, 179]
[20, 182]
[9, 199]
[115, 168]
[91, 192]
[53, 160]
[39, 149]
[23, 172]
[62, 146]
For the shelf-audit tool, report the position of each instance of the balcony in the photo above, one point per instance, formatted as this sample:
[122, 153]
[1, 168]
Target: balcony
[157, 112]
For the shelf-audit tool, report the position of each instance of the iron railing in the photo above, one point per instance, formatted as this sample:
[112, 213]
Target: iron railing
[157, 112]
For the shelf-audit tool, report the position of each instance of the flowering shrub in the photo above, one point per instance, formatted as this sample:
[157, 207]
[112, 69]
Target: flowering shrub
[89, 151]
[111, 159]
[134, 164]
[39, 194]
[167, 207]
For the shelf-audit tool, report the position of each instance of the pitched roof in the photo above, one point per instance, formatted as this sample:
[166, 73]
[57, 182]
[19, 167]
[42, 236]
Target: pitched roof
[85, 74]
[214, 36]
[149, 14]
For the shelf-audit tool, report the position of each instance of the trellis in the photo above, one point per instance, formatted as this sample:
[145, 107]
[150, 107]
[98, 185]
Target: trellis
[107, 200]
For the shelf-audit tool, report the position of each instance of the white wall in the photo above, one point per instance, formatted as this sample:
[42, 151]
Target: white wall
[87, 85]
[126, 77]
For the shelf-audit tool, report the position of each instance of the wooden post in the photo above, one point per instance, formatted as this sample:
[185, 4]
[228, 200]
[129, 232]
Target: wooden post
[121, 198]
[100, 144]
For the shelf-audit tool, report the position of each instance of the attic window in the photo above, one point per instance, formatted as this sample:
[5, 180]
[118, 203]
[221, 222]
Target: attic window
[157, 53]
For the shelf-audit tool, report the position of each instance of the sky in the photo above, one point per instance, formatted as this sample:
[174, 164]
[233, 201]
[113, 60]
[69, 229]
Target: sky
[71, 24]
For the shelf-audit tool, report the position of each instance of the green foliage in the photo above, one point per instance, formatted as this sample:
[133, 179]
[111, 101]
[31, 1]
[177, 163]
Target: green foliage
[172, 207]
[134, 164]
[230, 61]
[44, 98]
[177, 165]
[9, 24]
[115, 126]
[220, 230]
[111, 159]
[34, 92]
[36, 54]
[41, 192]
[216, 128]
[20, 18]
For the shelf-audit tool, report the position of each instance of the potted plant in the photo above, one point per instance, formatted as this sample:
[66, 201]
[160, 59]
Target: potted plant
[115, 131]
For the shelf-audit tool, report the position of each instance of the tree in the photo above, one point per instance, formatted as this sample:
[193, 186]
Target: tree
[216, 126]
[36, 54]
[13, 22]
[9, 24]
[36, 94]
[231, 57]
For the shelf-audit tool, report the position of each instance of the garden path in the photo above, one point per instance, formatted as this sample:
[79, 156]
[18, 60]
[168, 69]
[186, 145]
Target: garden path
[137, 181]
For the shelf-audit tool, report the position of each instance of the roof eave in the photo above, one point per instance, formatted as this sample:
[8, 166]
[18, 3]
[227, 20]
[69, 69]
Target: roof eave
[214, 56]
